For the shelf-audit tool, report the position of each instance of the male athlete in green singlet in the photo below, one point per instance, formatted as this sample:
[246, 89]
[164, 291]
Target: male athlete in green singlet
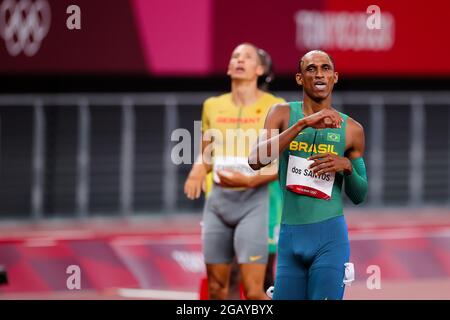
[319, 150]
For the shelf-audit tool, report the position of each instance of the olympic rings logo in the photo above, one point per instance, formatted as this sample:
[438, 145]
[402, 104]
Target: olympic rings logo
[24, 24]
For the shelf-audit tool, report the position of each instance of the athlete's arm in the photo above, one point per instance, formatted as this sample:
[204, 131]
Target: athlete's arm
[278, 119]
[356, 185]
[352, 164]
[195, 181]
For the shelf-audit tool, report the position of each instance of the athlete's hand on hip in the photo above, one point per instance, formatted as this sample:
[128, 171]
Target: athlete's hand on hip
[326, 118]
[195, 182]
[329, 162]
[233, 179]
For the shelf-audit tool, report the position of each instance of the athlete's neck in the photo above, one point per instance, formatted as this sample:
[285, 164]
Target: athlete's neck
[244, 93]
[311, 106]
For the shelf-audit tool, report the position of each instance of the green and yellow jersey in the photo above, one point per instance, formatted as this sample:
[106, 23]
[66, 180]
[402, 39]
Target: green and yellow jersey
[304, 208]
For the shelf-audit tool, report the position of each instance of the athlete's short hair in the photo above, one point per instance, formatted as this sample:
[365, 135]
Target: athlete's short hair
[300, 63]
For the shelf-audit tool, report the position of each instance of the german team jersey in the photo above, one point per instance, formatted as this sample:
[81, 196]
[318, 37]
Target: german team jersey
[234, 129]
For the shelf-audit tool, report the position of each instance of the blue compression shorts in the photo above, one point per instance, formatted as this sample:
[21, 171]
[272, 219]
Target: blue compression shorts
[311, 260]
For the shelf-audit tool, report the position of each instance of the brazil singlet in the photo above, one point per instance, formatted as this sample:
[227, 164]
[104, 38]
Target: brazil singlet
[301, 207]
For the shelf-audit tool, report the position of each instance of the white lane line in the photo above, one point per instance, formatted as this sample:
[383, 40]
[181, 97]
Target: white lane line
[157, 294]
[399, 235]
[133, 241]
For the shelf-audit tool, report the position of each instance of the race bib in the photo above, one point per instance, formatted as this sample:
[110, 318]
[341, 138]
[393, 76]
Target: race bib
[302, 180]
[239, 164]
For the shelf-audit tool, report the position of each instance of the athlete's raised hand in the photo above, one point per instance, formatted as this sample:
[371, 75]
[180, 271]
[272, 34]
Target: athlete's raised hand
[329, 162]
[326, 118]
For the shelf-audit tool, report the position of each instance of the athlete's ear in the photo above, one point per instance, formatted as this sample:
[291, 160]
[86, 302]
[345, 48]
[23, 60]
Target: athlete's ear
[336, 76]
[259, 70]
[229, 68]
[299, 79]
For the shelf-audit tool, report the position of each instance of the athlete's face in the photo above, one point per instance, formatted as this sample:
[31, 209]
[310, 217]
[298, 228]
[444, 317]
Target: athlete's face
[317, 75]
[245, 64]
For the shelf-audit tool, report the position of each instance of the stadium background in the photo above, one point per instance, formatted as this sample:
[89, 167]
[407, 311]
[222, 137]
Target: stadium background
[86, 176]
